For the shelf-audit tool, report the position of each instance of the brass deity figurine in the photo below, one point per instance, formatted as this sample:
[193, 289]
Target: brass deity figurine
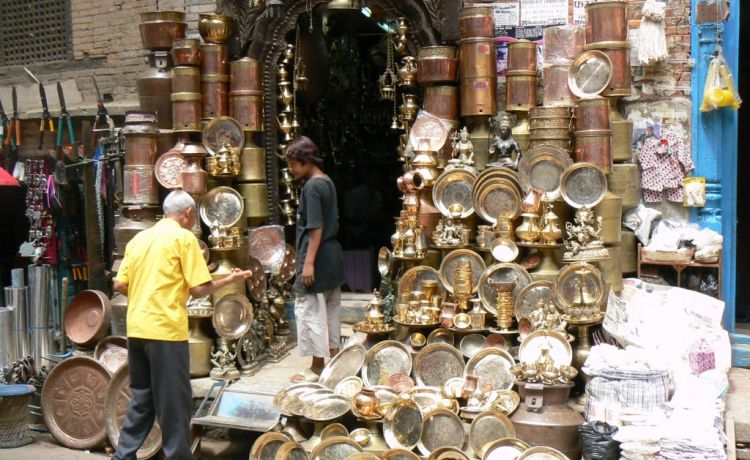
[504, 151]
[463, 150]
[223, 360]
[450, 231]
[582, 242]
[546, 316]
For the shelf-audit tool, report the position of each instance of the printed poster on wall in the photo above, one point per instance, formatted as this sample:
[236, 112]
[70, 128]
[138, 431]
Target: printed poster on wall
[507, 16]
[536, 15]
[579, 12]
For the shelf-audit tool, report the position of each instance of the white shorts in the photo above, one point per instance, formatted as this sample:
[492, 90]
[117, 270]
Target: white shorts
[318, 323]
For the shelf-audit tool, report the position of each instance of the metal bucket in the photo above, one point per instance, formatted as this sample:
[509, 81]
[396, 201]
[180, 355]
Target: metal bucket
[186, 112]
[610, 210]
[477, 58]
[478, 97]
[247, 108]
[594, 147]
[140, 185]
[555, 83]
[214, 59]
[160, 28]
[186, 79]
[625, 181]
[215, 95]
[246, 74]
[477, 21]
[520, 91]
[522, 56]
[442, 101]
[606, 21]
[437, 64]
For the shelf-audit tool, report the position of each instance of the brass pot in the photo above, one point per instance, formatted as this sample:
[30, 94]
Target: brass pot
[594, 147]
[215, 95]
[622, 133]
[606, 21]
[214, 59]
[140, 138]
[610, 210]
[441, 101]
[478, 97]
[247, 108]
[625, 181]
[246, 74]
[214, 28]
[437, 64]
[194, 177]
[186, 52]
[253, 159]
[425, 164]
[522, 56]
[477, 21]
[199, 346]
[562, 44]
[366, 402]
[140, 185]
[160, 28]
[477, 58]
[628, 251]
[186, 112]
[132, 221]
[224, 267]
[619, 54]
[154, 87]
[256, 202]
[592, 114]
[520, 91]
[556, 89]
[186, 79]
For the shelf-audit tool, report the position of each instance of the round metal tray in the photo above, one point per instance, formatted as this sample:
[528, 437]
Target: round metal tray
[450, 263]
[383, 360]
[542, 168]
[542, 453]
[454, 187]
[220, 130]
[402, 426]
[412, 279]
[492, 367]
[223, 206]
[576, 282]
[558, 345]
[291, 451]
[487, 427]
[267, 244]
[497, 197]
[583, 185]
[590, 74]
[286, 399]
[531, 295]
[233, 316]
[501, 272]
[349, 387]
[504, 449]
[437, 363]
[441, 428]
[168, 170]
[267, 445]
[335, 448]
[329, 407]
[345, 364]
[471, 344]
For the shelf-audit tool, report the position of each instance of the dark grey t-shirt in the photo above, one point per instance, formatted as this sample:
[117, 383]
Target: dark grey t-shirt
[318, 208]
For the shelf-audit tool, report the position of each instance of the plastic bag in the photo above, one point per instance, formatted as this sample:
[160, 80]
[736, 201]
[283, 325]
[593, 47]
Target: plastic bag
[720, 90]
[597, 442]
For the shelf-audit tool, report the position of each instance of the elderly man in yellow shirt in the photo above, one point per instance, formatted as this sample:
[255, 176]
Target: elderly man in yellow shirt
[162, 266]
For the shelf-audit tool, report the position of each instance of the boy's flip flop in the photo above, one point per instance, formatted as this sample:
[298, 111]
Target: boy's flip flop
[305, 376]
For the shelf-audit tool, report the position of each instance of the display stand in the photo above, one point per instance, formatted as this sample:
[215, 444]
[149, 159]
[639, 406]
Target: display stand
[680, 268]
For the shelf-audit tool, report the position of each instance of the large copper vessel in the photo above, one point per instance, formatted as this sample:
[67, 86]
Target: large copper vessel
[477, 21]
[246, 74]
[154, 87]
[562, 44]
[247, 108]
[477, 58]
[625, 181]
[606, 22]
[478, 97]
[619, 54]
[215, 95]
[186, 79]
[132, 220]
[441, 101]
[256, 202]
[140, 185]
[186, 112]
[140, 138]
[160, 28]
[592, 114]
[610, 210]
[520, 91]
[194, 177]
[522, 56]
[214, 59]
[594, 147]
[253, 159]
[437, 65]
[556, 89]
[186, 51]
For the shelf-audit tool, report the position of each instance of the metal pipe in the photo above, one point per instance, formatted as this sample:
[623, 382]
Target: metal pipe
[18, 277]
[16, 301]
[8, 352]
[39, 279]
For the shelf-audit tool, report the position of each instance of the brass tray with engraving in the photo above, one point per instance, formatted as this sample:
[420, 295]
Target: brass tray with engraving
[583, 185]
[233, 316]
[435, 364]
[346, 363]
[286, 399]
[334, 448]
[498, 197]
[492, 367]
[590, 74]
[267, 445]
[267, 244]
[116, 404]
[450, 263]
[327, 408]
[454, 187]
[383, 360]
[487, 427]
[501, 272]
[471, 344]
[579, 286]
[223, 130]
[168, 170]
[223, 206]
[256, 284]
[531, 296]
[412, 279]
[542, 168]
[496, 172]
[441, 428]
[504, 449]
[559, 348]
[402, 425]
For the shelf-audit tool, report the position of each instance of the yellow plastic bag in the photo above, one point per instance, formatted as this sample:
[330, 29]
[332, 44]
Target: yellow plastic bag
[720, 90]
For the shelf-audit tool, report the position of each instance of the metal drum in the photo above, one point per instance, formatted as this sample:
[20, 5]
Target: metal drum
[246, 74]
[477, 58]
[247, 108]
[140, 185]
[437, 64]
[520, 91]
[627, 253]
[8, 342]
[256, 202]
[562, 44]
[550, 122]
[478, 96]
[215, 92]
[522, 56]
[253, 159]
[477, 21]
[606, 22]
[610, 210]
[592, 114]
[39, 311]
[119, 317]
[154, 87]
[132, 221]
[559, 143]
[186, 79]
[140, 138]
[555, 83]
[186, 112]
[160, 28]
[625, 181]
[594, 147]
[214, 59]
[622, 133]
[555, 137]
[612, 269]
[442, 101]
[619, 54]
[186, 52]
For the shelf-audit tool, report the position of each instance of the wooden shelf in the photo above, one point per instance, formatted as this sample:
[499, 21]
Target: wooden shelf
[680, 267]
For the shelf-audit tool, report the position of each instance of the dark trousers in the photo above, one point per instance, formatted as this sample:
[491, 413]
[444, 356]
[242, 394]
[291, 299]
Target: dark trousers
[160, 381]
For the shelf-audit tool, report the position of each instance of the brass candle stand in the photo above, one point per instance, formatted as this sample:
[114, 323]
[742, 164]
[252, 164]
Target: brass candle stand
[504, 301]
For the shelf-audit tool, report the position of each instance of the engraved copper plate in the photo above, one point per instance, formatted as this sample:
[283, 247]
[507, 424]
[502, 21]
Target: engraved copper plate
[267, 445]
[454, 187]
[542, 168]
[531, 296]
[583, 185]
[256, 284]
[345, 364]
[412, 279]
[73, 401]
[498, 197]
[402, 426]
[221, 130]
[505, 449]
[502, 272]
[450, 263]
[428, 132]
[268, 246]
[441, 428]
[383, 360]
[399, 454]
[289, 264]
[289, 396]
[437, 363]
[492, 367]
[116, 405]
[223, 206]
[471, 344]
[579, 284]
[558, 345]
[542, 453]
[168, 170]
[335, 448]
[487, 427]
[233, 316]
[589, 74]
[327, 408]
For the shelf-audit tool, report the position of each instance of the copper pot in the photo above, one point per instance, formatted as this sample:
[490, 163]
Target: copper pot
[622, 133]
[610, 210]
[594, 147]
[256, 202]
[214, 59]
[551, 112]
[477, 21]
[625, 180]
[246, 74]
[366, 402]
[619, 54]
[194, 177]
[253, 160]
[87, 318]
[437, 64]
[154, 86]
[247, 108]
[478, 96]
[140, 185]
[477, 58]
[441, 101]
[606, 21]
[522, 56]
[215, 95]
[132, 221]
[186, 79]
[214, 28]
[186, 112]
[562, 44]
[592, 114]
[186, 52]
[520, 91]
[140, 138]
[160, 28]
[556, 89]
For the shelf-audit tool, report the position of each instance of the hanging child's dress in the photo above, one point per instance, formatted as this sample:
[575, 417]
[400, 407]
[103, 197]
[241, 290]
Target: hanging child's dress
[665, 162]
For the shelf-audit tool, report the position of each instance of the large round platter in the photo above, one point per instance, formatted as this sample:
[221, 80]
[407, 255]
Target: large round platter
[487, 427]
[542, 168]
[267, 445]
[327, 408]
[399, 454]
[502, 272]
[441, 428]
[223, 206]
[335, 448]
[268, 246]
[428, 132]
[583, 185]
[497, 197]
[450, 263]
[471, 344]
[402, 426]
[383, 360]
[349, 386]
[589, 74]
[412, 279]
[579, 280]
[496, 172]
[308, 397]
[233, 316]
[492, 367]
[256, 284]
[454, 187]
[448, 453]
[345, 364]
[286, 400]
[385, 261]
[73, 400]
[437, 363]
[289, 264]
[558, 345]
[528, 299]
[504, 449]
[168, 170]
[221, 130]
[542, 453]
[291, 451]
[116, 404]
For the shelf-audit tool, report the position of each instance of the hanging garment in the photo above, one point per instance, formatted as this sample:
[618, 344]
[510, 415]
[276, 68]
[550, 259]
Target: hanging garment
[664, 164]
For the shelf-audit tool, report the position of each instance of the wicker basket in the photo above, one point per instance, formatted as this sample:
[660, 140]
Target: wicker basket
[14, 430]
[680, 257]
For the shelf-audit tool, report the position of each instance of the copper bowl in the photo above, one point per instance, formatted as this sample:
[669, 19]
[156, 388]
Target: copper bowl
[87, 318]
[214, 28]
[160, 28]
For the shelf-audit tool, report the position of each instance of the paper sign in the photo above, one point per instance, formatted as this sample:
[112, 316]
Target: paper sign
[579, 12]
[506, 14]
[544, 12]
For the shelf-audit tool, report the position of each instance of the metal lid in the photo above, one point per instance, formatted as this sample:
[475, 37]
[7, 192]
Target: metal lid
[402, 426]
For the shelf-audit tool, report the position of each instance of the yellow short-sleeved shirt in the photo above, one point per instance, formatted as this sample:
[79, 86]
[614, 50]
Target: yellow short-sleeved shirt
[161, 264]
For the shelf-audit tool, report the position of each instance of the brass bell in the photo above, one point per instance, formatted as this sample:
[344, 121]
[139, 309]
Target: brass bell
[395, 124]
[284, 124]
[295, 124]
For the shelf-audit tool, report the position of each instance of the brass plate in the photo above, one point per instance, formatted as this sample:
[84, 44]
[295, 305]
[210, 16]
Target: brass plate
[542, 168]
[289, 264]
[502, 272]
[412, 279]
[579, 282]
[73, 399]
[492, 367]
[333, 429]
[345, 364]
[233, 316]
[385, 261]
[327, 408]
[504, 449]
[286, 399]
[428, 132]
[507, 401]
[542, 453]
[504, 249]
[220, 130]
[116, 403]
[309, 397]
[402, 426]
[454, 187]
[590, 74]
[450, 263]
[495, 198]
[399, 454]
[291, 451]
[494, 172]
[335, 448]
[349, 386]
[426, 398]
[256, 284]
[441, 428]
[222, 205]
[363, 455]
[383, 360]
[528, 299]
[168, 170]
[559, 347]
[583, 185]
[471, 344]
[487, 427]
[441, 335]
[267, 446]
[437, 363]
[113, 357]
[448, 453]
[267, 244]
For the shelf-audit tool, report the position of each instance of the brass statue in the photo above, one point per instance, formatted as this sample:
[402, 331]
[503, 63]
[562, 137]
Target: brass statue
[504, 150]
[463, 149]
[582, 242]
[223, 360]
[546, 316]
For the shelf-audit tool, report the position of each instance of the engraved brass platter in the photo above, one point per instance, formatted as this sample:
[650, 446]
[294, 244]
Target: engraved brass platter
[471, 344]
[345, 364]
[222, 205]
[268, 246]
[450, 263]
[487, 427]
[495, 198]
[267, 445]
[220, 130]
[496, 172]
[233, 316]
[383, 360]
[502, 272]
[504, 449]
[559, 347]
[492, 367]
[579, 283]
[590, 74]
[335, 448]
[542, 168]
[437, 363]
[454, 187]
[441, 428]
[327, 408]
[583, 185]
[402, 426]
[528, 299]
[168, 170]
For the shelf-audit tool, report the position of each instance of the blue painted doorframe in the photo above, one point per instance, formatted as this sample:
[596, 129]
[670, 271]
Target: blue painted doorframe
[714, 141]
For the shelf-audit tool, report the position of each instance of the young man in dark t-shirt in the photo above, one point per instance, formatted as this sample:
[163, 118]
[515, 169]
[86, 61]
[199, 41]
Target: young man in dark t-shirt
[320, 260]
